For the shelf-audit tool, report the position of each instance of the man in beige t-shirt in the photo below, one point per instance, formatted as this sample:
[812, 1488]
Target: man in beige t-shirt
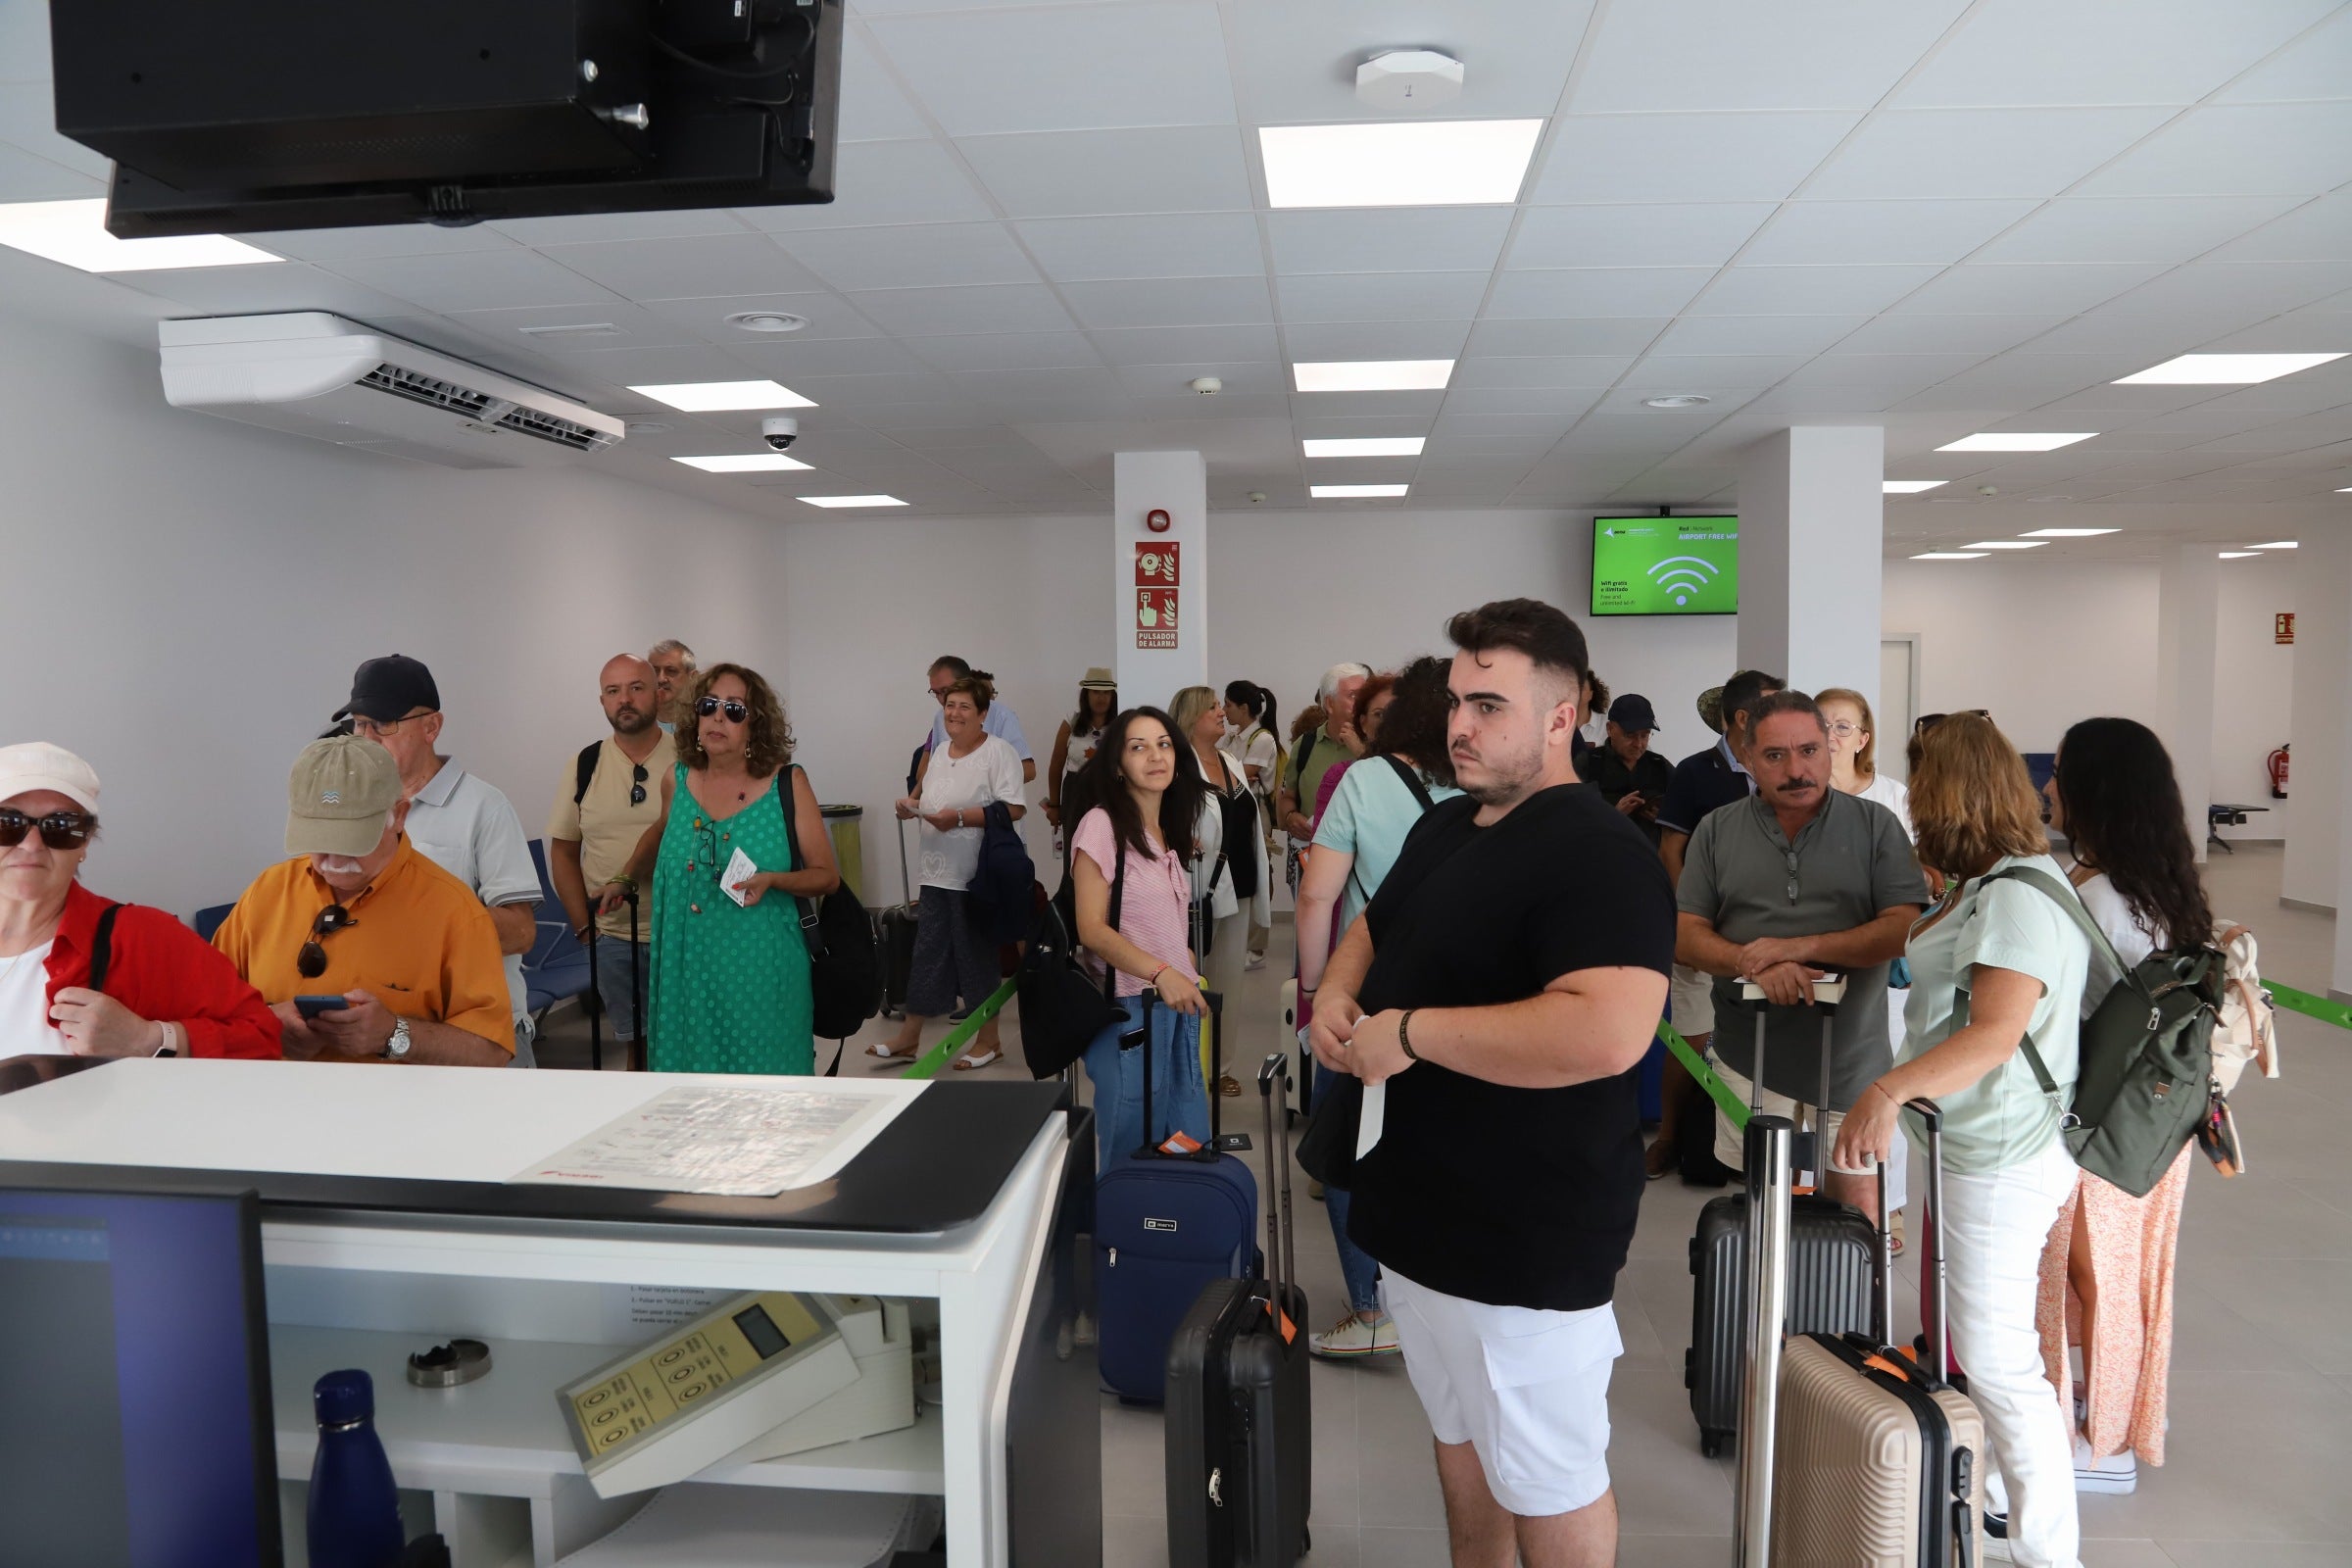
[606, 799]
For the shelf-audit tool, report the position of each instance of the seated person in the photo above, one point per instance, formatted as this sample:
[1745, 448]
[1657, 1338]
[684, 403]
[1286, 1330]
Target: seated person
[162, 992]
[360, 915]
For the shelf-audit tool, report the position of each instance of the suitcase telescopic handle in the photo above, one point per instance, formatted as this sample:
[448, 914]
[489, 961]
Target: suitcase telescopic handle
[1273, 1078]
[1769, 1196]
[1934, 1289]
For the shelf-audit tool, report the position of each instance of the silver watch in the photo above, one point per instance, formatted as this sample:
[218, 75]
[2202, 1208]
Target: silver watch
[396, 1049]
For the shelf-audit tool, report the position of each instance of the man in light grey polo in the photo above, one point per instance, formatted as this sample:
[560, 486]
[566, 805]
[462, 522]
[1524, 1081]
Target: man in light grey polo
[1795, 882]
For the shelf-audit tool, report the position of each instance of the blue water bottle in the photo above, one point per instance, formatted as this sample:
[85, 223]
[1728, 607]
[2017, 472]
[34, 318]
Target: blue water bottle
[355, 1508]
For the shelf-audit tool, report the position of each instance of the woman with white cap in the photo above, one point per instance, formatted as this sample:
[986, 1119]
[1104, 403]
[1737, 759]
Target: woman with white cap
[1074, 747]
[82, 976]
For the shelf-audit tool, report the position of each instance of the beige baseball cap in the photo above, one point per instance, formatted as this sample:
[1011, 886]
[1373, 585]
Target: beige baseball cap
[342, 793]
[38, 765]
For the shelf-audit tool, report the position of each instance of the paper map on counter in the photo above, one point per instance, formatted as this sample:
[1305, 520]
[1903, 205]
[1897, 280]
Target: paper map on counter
[730, 1143]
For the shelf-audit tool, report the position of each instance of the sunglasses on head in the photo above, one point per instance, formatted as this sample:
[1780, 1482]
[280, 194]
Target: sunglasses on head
[60, 830]
[735, 710]
[310, 962]
[1928, 721]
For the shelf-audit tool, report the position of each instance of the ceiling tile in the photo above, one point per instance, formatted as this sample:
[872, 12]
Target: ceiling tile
[28, 119]
[477, 280]
[1563, 402]
[1625, 334]
[2094, 52]
[25, 178]
[1964, 154]
[884, 182]
[1068, 67]
[1296, 59]
[1005, 307]
[1597, 291]
[1757, 335]
[1729, 53]
[333, 246]
[872, 106]
[23, 43]
[1820, 232]
[1172, 302]
[2320, 230]
[916, 256]
[1685, 158]
[1008, 351]
[705, 266]
[289, 287]
[1381, 296]
[1659, 235]
[2315, 66]
[1377, 340]
[1185, 168]
[1467, 239]
[633, 328]
[1589, 371]
[1187, 345]
[622, 367]
[1372, 412]
[596, 228]
[1183, 245]
[828, 316]
[1242, 379]
[1808, 290]
[1709, 372]
[2020, 380]
[1976, 289]
[1910, 334]
[2246, 149]
[1086, 381]
[2131, 228]
[791, 360]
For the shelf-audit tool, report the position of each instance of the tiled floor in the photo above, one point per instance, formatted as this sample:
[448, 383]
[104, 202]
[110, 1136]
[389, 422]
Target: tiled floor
[2262, 1362]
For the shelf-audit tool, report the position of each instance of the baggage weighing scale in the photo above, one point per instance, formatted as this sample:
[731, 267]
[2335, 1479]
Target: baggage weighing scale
[686, 1402]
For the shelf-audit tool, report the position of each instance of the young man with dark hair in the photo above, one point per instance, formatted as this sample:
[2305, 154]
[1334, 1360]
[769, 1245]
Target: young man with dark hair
[1493, 998]
[1701, 782]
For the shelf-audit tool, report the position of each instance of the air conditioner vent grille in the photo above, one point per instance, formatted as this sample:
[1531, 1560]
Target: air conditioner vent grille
[555, 427]
[466, 403]
[428, 390]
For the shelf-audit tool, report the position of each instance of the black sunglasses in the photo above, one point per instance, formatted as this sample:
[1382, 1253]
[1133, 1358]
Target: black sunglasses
[310, 962]
[60, 830]
[1928, 721]
[736, 712]
[637, 790]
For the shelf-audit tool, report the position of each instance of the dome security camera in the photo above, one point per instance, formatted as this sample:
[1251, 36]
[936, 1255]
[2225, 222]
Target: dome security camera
[780, 431]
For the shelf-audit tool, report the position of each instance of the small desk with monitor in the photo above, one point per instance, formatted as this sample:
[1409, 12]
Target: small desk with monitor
[387, 1224]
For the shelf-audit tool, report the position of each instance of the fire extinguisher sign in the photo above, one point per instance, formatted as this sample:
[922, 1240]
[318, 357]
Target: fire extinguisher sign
[2283, 628]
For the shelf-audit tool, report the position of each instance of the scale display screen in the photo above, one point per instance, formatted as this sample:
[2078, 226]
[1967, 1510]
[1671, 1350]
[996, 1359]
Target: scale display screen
[1665, 566]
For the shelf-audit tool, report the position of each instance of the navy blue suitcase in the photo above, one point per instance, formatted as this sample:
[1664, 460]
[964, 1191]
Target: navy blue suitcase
[1165, 1226]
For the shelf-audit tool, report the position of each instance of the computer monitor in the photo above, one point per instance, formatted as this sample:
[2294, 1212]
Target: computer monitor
[135, 1378]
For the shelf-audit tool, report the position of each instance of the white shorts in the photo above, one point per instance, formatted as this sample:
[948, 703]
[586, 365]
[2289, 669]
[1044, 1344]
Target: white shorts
[1729, 1139]
[1690, 1000]
[1529, 1389]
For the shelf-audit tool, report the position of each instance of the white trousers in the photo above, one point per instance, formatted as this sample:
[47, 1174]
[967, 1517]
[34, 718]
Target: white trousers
[1994, 1226]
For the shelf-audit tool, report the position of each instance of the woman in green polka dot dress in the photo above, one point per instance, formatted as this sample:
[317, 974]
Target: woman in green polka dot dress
[728, 987]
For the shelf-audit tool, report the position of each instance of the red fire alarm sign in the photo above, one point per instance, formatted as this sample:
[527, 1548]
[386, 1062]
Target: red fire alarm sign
[1156, 617]
[1157, 564]
[2283, 628]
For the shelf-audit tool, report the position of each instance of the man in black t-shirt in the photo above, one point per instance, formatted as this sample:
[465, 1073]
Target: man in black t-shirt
[1495, 999]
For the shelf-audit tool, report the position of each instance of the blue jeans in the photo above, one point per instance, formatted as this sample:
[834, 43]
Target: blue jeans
[1357, 1266]
[613, 982]
[1179, 1096]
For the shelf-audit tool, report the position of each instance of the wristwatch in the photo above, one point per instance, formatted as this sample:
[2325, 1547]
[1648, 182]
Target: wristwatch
[396, 1049]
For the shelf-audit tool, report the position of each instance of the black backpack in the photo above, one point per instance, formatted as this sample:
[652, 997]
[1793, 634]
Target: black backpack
[845, 967]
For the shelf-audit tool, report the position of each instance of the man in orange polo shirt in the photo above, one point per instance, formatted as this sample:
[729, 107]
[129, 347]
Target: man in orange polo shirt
[359, 916]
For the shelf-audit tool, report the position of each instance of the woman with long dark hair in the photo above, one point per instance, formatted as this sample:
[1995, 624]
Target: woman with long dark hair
[2107, 1272]
[1074, 747]
[1139, 838]
[1250, 713]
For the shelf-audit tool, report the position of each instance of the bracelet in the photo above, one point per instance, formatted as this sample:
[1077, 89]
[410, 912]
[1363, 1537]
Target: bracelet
[1153, 984]
[1405, 1035]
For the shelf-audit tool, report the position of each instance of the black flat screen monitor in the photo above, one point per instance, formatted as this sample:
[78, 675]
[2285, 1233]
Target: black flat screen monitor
[135, 1378]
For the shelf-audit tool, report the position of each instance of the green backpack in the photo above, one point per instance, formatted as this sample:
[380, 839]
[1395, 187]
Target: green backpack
[2146, 1081]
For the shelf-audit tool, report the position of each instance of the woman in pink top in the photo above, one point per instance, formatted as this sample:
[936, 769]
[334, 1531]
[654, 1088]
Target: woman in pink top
[1140, 838]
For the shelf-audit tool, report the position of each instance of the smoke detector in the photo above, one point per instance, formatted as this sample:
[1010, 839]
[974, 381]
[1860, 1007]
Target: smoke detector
[1208, 386]
[1408, 80]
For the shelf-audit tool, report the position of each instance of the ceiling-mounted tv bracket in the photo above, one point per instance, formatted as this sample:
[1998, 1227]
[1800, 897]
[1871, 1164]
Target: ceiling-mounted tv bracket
[448, 208]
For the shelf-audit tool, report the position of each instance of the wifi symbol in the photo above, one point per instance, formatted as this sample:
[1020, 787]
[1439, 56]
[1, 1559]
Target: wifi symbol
[1684, 575]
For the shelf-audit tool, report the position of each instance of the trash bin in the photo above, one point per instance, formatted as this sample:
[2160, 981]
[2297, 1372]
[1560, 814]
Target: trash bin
[842, 827]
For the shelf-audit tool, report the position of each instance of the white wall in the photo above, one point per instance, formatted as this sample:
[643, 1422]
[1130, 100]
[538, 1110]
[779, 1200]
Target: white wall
[186, 599]
[2253, 687]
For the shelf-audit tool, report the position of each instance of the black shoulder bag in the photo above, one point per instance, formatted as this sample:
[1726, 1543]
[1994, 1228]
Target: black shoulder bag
[1062, 1006]
[845, 971]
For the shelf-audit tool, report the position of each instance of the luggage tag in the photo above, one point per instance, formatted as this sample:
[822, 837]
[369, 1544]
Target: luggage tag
[731, 880]
[1282, 1320]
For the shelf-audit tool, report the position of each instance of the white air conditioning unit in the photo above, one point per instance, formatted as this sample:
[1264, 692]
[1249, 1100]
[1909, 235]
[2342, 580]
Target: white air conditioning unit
[315, 374]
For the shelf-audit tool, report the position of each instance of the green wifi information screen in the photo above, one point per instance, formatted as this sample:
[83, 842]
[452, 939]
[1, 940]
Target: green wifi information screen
[1665, 566]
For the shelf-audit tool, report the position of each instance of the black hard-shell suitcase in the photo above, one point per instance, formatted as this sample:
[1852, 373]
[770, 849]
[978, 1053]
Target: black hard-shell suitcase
[1239, 1427]
[1832, 1246]
[894, 936]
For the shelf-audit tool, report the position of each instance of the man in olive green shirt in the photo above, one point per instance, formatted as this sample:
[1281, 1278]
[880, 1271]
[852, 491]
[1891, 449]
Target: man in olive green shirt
[1318, 753]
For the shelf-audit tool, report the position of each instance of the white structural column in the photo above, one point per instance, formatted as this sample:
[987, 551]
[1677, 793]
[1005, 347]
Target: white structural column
[2318, 873]
[2188, 605]
[1812, 517]
[1159, 625]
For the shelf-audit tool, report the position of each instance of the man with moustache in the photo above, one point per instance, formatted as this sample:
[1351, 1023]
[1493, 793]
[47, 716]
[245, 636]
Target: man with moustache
[1797, 881]
[360, 915]
[673, 670]
[1493, 998]
[606, 799]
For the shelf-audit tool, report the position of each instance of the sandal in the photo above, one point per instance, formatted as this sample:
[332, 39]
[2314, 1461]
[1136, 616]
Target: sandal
[975, 1063]
[882, 1052]
[1229, 1085]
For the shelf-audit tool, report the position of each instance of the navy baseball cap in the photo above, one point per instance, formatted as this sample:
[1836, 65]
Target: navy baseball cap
[389, 688]
[1631, 713]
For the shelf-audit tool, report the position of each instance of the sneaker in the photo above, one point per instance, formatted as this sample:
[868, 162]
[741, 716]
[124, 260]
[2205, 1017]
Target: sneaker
[1257, 960]
[1356, 1335]
[1997, 1538]
[2116, 1474]
[1658, 1159]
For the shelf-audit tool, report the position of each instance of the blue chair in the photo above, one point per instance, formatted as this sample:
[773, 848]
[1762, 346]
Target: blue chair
[209, 920]
[557, 969]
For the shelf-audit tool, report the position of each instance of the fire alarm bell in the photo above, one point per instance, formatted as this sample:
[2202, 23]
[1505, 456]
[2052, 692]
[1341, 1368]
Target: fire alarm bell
[1158, 521]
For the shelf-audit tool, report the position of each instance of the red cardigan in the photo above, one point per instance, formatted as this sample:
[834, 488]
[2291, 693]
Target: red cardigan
[159, 969]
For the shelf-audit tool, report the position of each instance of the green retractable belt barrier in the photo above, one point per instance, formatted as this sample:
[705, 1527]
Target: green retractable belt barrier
[2324, 1008]
[932, 1060]
[1717, 1090]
